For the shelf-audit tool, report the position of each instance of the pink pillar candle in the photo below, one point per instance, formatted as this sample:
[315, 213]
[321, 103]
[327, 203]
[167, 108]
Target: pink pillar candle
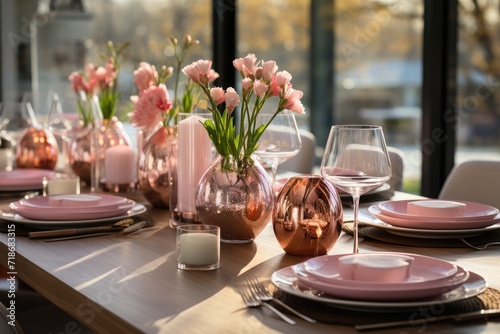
[120, 165]
[194, 151]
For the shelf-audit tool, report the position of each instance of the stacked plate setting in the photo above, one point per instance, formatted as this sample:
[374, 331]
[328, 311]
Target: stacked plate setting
[436, 214]
[72, 207]
[428, 278]
[23, 179]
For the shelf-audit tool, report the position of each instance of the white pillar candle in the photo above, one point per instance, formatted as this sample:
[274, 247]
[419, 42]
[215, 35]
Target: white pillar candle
[120, 165]
[198, 248]
[193, 159]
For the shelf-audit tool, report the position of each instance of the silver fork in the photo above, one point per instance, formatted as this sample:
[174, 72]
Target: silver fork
[480, 247]
[260, 292]
[251, 301]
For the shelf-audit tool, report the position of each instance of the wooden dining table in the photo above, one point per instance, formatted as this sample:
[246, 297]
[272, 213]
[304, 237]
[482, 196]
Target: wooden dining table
[130, 284]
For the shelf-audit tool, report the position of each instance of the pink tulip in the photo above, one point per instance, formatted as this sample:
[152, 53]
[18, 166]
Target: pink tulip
[201, 72]
[280, 80]
[260, 88]
[218, 95]
[292, 97]
[268, 70]
[247, 65]
[232, 99]
[246, 84]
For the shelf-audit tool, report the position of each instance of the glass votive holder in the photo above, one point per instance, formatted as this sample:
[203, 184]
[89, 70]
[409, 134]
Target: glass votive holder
[120, 169]
[61, 184]
[198, 247]
[6, 158]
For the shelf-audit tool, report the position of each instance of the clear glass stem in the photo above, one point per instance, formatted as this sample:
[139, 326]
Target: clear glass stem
[355, 201]
[274, 169]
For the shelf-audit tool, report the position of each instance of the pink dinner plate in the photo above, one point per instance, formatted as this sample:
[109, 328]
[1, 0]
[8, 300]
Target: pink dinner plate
[57, 215]
[473, 211]
[74, 201]
[431, 223]
[424, 270]
[373, 292]
[23, 179]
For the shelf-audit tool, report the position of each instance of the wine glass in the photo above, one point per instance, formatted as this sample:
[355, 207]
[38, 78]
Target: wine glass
[65, 123]
[356, 161]
[279, 142]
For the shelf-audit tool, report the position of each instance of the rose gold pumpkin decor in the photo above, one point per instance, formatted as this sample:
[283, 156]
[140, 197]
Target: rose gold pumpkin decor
[307, 216]
[36, 148]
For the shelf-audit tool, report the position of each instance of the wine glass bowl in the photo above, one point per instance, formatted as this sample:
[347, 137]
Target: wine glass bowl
[279, 142]
[356, 161]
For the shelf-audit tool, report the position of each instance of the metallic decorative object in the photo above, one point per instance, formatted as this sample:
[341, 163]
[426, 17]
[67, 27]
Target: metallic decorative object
[240, 202]
[36, 148]
[307, 216]
[81, 154]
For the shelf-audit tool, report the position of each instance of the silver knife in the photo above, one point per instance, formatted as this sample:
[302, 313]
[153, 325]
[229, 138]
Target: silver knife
[475, 315]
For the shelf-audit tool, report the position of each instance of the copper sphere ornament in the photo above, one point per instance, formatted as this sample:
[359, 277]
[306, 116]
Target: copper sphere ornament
[308, 215]
[36, 148]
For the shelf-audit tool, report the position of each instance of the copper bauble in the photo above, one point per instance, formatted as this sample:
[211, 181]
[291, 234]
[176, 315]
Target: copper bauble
[307, 216]
[36, 148]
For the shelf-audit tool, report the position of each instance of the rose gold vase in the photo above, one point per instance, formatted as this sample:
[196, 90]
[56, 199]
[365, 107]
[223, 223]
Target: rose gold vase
[153, 177]
[36, 148]
[308, 215]
[239, 202]
[81, 155]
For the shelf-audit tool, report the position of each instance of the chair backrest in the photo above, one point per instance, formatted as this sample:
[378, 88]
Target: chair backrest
[474, 181]
[303, 162]
[397, 165]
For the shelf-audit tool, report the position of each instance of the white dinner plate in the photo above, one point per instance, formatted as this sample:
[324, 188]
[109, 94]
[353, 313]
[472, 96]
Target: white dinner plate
[9, 215]
[473, 211]
[23, 179]
[368, 219]
[285, 280]
[432, 224]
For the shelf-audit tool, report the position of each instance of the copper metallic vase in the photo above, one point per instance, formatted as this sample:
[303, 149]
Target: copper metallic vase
[36, 148]
[308, 215]
[81, 155]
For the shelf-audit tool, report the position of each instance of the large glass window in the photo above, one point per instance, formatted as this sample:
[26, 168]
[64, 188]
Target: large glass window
[478, 94]
[264, 30]
[378, 63]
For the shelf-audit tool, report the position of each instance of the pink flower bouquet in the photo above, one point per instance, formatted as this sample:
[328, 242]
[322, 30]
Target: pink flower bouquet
[261, 81]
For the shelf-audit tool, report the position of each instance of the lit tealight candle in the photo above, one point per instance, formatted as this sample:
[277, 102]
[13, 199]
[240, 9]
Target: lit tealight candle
[120, 166]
